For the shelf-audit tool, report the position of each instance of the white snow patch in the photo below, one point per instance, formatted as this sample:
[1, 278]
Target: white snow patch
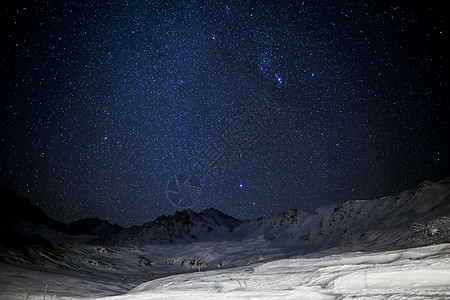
[419, 273]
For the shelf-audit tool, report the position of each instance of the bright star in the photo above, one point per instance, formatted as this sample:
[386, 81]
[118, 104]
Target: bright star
[279, 79]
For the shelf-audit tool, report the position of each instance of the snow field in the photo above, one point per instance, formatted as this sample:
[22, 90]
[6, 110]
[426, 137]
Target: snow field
[418, 273]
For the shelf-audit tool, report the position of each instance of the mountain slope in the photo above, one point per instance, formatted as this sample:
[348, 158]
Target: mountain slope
[415, 217]
[18, 210]
[182, 227]
[21, 221]
[93, 226]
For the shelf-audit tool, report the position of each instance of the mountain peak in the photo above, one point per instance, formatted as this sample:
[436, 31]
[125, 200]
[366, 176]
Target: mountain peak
[212, 211]
[93, 226]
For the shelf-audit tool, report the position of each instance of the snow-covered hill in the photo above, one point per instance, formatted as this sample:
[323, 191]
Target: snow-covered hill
[420, 216]
[93, 258]
[418, 273]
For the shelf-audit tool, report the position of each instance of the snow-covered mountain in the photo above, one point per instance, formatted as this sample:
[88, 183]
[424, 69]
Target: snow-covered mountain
[182, 227]
[418, 217]
[94, 258]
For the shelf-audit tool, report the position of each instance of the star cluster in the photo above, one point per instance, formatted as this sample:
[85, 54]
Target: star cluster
[104, 101]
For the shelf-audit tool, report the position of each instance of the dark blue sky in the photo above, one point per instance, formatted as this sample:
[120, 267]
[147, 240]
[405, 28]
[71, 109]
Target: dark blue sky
[103, 102]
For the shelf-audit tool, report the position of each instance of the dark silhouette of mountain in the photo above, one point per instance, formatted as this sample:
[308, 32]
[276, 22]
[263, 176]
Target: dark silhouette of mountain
[20, 219]
[15, 210]
[93, 226]
[22, 223]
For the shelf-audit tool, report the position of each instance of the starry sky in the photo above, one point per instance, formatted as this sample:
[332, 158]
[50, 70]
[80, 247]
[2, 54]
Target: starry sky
[103, 102]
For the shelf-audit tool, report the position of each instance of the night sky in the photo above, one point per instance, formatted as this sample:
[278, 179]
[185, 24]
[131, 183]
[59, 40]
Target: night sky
[103, 102]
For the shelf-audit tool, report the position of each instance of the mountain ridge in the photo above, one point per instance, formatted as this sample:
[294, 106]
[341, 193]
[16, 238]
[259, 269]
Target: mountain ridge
[356, 221]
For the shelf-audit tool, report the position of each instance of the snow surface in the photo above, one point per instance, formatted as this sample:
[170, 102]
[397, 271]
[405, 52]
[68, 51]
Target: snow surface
[416, 273]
